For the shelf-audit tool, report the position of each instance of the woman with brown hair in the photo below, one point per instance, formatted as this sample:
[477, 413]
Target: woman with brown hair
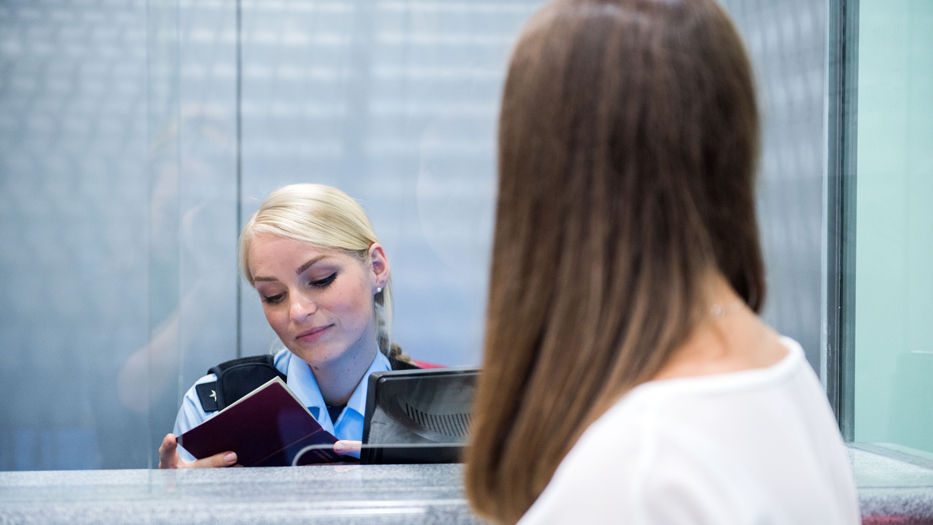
[627, 377]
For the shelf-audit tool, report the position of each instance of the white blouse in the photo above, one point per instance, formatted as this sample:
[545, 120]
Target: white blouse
[753, 447]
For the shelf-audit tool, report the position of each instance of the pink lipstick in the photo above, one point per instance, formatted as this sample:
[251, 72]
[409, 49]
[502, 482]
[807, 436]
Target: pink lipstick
[313, 334]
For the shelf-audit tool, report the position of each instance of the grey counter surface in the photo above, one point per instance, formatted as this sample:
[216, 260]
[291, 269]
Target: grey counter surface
[379, 494]
[890, 491]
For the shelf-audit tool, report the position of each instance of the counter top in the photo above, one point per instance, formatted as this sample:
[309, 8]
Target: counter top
[891, 491]
[380, 494]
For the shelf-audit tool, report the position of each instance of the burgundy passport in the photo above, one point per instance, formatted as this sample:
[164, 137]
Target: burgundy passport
[266, 428]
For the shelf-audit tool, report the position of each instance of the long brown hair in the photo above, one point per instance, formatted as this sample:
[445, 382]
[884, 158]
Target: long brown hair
[627, 148]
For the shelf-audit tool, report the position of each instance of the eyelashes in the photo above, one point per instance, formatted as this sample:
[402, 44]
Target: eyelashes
[325, 282]
[320, 283]
[273, 299]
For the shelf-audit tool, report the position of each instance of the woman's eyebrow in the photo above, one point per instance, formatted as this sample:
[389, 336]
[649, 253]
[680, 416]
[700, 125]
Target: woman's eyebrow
[309, 264]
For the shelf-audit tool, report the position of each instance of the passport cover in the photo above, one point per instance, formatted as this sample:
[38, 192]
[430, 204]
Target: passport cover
[266, 428]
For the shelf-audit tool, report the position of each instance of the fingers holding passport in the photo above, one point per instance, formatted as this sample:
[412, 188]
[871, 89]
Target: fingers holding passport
[224, 459]
[169, 458]
[348, 448]
[168, 453]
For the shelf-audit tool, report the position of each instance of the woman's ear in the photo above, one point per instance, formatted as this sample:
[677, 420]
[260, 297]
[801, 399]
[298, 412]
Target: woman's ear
[379, 265]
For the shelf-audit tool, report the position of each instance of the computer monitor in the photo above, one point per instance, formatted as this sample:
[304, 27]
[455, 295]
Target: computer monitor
[418, 416]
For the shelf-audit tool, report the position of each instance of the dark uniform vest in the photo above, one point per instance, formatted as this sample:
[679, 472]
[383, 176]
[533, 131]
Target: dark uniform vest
[239, 377]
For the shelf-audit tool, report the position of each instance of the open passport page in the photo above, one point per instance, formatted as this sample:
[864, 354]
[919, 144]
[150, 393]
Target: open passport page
[266, 428]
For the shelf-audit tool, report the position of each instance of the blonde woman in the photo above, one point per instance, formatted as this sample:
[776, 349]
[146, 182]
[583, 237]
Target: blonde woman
[324, 281]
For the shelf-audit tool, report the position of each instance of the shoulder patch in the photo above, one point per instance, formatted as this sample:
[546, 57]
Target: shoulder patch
[207, 394]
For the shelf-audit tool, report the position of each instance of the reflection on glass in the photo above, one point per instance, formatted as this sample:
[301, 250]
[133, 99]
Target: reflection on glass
[390, 454]
[894, 244]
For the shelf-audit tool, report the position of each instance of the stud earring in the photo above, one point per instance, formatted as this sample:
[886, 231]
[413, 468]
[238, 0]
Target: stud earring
[379, 290]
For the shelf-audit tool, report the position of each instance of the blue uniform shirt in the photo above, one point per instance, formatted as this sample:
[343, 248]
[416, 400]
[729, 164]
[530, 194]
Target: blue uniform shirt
[349, 425]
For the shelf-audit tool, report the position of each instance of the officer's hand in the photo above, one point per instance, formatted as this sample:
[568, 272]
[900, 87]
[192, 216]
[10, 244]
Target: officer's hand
[169, 458]
[348, 448]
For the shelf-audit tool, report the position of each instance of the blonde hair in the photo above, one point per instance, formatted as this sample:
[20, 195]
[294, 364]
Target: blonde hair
[325, 217]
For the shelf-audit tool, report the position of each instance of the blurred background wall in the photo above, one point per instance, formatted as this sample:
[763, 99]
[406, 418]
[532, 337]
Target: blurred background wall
[132, 131]
[893, 398]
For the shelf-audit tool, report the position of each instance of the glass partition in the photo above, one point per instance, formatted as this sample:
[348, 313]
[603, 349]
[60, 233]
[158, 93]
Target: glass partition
[74, 200]
[395, 103]
[137, 137]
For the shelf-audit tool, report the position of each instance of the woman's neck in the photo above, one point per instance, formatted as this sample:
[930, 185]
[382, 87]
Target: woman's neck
[339, 378]
[731, 338]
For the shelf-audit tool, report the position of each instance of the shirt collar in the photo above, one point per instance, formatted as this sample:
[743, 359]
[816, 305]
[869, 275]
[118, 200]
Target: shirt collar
[357, 401]
[301, 381]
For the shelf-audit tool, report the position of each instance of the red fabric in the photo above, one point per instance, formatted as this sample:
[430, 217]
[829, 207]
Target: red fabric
[425, 364]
